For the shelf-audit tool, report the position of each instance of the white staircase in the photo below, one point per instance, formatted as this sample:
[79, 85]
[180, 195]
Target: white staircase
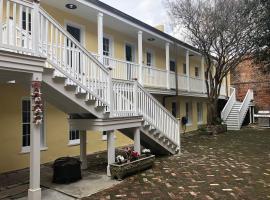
[235, 111]
[77, 83]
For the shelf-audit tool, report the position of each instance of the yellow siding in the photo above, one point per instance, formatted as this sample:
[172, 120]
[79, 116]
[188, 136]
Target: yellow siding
[56, 132]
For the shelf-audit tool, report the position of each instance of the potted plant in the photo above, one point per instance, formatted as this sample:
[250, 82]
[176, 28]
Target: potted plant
[131, 162]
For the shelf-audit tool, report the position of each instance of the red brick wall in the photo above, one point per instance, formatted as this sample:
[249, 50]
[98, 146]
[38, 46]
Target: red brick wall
[249, 76]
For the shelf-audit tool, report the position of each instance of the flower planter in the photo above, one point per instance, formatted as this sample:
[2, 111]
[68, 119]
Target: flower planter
[120, 171]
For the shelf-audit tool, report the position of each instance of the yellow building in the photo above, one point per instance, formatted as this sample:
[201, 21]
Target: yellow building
[100, 70]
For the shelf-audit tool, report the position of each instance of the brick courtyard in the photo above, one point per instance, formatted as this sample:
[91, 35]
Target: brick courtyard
[235, 165]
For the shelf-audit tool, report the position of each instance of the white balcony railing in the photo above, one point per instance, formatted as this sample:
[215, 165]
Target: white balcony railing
[154, 77]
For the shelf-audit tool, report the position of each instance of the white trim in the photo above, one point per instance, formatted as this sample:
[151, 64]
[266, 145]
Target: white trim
[74, 142]
[79, 26]
[26, 150]
[123, 20]
[111, 43]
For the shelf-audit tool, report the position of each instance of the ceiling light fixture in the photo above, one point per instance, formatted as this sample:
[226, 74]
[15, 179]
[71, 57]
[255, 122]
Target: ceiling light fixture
[71, 6]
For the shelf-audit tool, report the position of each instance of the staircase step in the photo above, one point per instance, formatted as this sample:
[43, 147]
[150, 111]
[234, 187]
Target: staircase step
[49, 71]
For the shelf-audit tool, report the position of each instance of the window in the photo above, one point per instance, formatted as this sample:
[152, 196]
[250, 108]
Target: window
[189, 112]
[172, 66]
[74, 137]
[24, 21]
[200, 112]
[197, 72]
[149, 58]
[174, 109]
[26, 125]
[184, 69]
[106, 47]
[26, 115]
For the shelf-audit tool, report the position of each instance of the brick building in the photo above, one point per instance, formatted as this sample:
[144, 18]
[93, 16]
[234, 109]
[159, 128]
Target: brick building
[249, 76]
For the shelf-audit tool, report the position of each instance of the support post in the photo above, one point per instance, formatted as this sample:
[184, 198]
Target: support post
[83, 149]
[34, 191]
[137, 140]
[100, 36]
[111, 150]
[203, 74]
[188, 71]
[140, 57]
[167, 49]
[36, 27]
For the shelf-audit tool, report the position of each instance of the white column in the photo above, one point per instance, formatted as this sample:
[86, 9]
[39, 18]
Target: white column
[137, 140]
[100, 36]
[83, 149]
[167, 48]
[111, 150]
[140, 57]
[35, 42]
[187, 70]
[203, 74]
[34, 191]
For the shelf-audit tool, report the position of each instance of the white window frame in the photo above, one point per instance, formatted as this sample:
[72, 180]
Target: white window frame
[111, 44]
[43, 146]
[74, 141]
[76, 25]
[200, 113]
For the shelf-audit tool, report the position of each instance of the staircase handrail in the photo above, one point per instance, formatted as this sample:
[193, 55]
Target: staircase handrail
[229, 105]
[146, 109]
[244, 106]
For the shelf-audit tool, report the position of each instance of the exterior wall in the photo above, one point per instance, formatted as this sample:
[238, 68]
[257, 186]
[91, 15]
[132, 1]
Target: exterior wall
[181, 109]
[249, 76]
[56, 132]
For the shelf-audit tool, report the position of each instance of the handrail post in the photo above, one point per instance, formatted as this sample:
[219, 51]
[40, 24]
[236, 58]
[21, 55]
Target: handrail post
[110, 92]
[135, 96]
[35, 30]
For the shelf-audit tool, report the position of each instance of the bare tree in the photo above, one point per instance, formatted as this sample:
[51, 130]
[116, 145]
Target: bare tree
[222, 30]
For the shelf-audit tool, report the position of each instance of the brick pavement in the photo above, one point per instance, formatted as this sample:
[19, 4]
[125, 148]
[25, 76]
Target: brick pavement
[229, 166]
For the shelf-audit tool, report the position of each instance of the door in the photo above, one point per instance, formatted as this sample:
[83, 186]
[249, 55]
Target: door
[73, 54]
[172, 66]
[129, 58]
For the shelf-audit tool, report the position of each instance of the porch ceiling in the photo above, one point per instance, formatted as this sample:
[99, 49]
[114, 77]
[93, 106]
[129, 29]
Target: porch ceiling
[110, 20]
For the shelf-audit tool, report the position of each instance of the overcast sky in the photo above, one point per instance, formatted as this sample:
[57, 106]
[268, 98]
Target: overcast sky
[152, 12]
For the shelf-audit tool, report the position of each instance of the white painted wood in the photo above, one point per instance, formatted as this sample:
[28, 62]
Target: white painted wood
[35, 26]
[110, 150]
[100, 36]
[188, 70]
[34, 192]
[137, 140]
[83, 149]
[229, 105]
[203, 74]
[140, 57]
[167, 52]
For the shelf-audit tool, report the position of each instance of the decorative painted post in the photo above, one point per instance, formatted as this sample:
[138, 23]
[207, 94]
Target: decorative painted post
[188, 70]
[203, 74]
[111, 150]
[36, 28]
[167, 48]
[137, 140]
[100, 36]
[140, 57]
[34, 191]
[83, 149]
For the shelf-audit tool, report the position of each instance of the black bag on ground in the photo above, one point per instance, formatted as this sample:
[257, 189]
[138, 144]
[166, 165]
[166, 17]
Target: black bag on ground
[66, 170]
